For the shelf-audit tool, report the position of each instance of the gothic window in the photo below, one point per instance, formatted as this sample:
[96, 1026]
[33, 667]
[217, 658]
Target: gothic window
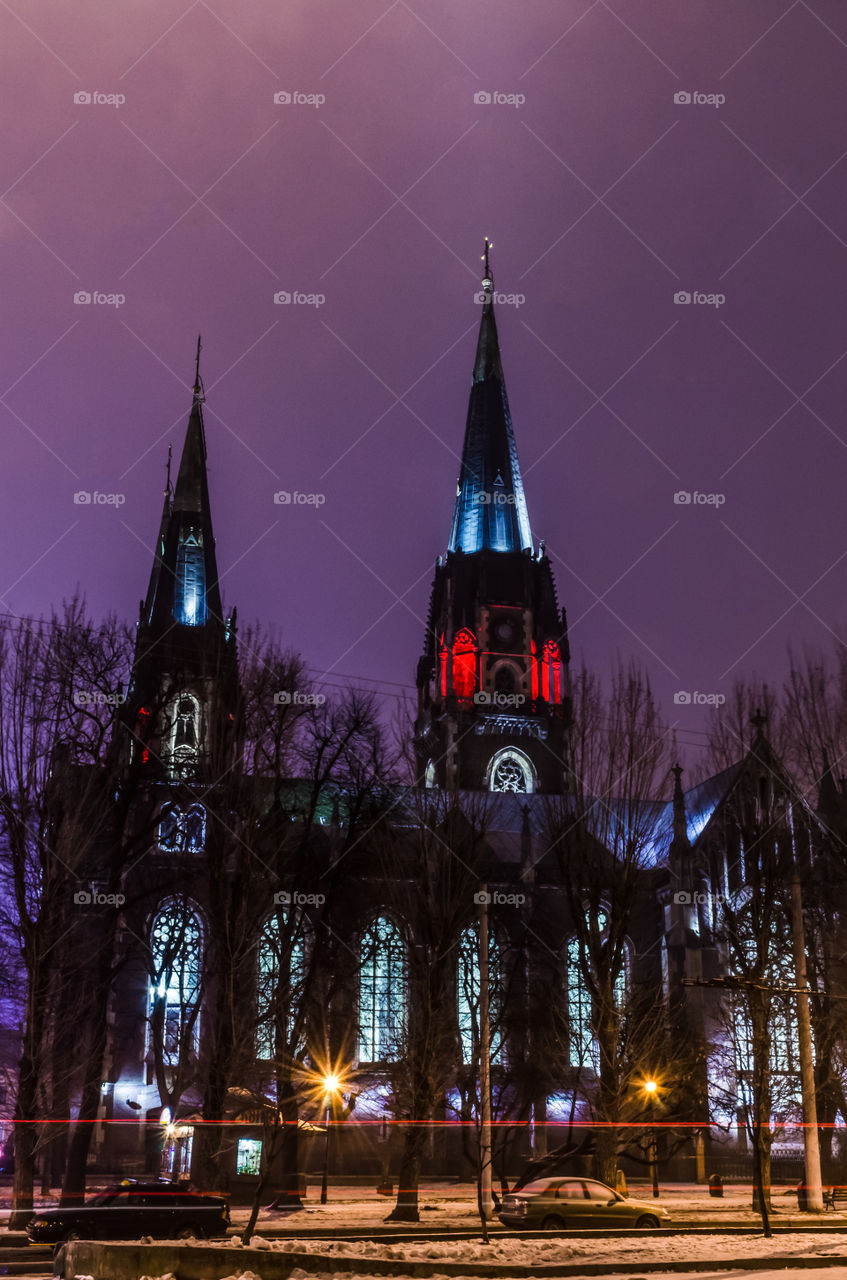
[584, 1049]
[190, 585]
[468, 994]
[170, 828]
[184, 735]
[382, 992]
[280, 981]
[510, 770]
[182, 830]
[551, 673]
[464, 664]
[429, 774]
[195, 828]
[175, 945]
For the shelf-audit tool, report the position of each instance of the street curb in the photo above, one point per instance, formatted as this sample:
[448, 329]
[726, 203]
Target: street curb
[128, 1261]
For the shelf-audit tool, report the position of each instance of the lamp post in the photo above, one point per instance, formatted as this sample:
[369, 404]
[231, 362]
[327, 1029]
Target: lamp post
[651, 1089]
[331, 1085]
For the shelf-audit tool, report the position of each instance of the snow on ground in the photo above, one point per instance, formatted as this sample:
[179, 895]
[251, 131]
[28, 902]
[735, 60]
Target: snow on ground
[527, 1253]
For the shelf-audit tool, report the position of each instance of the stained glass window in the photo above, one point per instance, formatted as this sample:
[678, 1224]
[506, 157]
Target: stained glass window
[584, 1049]
[382, 992]
[281, 950]
[175, 945]
[511, 770]
[468, 994]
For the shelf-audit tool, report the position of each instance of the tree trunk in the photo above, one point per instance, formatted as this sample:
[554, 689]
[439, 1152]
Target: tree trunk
[73, 1189]
[23, 1181]
[288, 1187]
[406, 1206]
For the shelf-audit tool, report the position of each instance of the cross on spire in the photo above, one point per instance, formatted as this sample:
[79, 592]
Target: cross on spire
[759, 720]
[197, 368]
[488, 279]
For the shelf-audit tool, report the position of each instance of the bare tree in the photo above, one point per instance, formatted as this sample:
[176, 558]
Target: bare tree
[603, 832]
[61, 684]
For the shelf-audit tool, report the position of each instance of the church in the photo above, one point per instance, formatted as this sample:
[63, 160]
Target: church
[322, 923]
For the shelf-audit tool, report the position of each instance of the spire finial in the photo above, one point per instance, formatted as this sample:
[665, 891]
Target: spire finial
[758, 721]
[488, 279]
[197, 384]
[168, 481]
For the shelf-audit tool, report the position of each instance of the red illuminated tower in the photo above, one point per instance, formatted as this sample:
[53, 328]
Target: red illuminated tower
[492, 683]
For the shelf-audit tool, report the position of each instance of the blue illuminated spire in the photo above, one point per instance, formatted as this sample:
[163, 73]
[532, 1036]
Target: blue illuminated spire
[185, 589]
[491, 509]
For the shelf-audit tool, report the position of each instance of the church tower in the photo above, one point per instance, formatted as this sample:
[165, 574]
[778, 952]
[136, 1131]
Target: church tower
[492, 683]
[182, 705]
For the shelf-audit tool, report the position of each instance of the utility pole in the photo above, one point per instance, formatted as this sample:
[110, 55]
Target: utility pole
[811, 1141]
[486, 1202]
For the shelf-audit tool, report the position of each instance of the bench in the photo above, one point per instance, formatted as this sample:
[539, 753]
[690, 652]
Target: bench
[835, 1198]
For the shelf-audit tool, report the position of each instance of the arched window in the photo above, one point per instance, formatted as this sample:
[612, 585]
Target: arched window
[467, 1003]
[551, 673]
[382, 992]
[184, 745]
[429, 774]
[190, 585]
[195, 828]
[170, 828]
[464, 664]
[175, 949]
[182, 830]
[583, 1046]
[280, 982]
[510, 770]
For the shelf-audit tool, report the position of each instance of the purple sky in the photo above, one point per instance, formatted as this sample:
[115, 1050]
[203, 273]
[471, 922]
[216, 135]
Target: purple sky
[199, 198]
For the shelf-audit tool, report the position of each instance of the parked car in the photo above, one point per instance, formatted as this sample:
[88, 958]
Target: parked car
[577, 1203]
[133, 1209]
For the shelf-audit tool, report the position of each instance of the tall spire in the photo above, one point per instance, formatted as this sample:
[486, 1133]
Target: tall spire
[158, 560]
[192, 493]
[491, 512]
[184, 584]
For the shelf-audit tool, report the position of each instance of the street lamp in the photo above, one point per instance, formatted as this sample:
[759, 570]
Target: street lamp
[331, 1086]
[651, 1089]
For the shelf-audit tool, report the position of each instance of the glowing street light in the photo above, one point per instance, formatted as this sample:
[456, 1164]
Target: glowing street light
[332, 1087]
[651, 1088]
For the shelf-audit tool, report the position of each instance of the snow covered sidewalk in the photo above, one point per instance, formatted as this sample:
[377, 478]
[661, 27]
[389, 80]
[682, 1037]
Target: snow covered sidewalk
[524, 1254]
